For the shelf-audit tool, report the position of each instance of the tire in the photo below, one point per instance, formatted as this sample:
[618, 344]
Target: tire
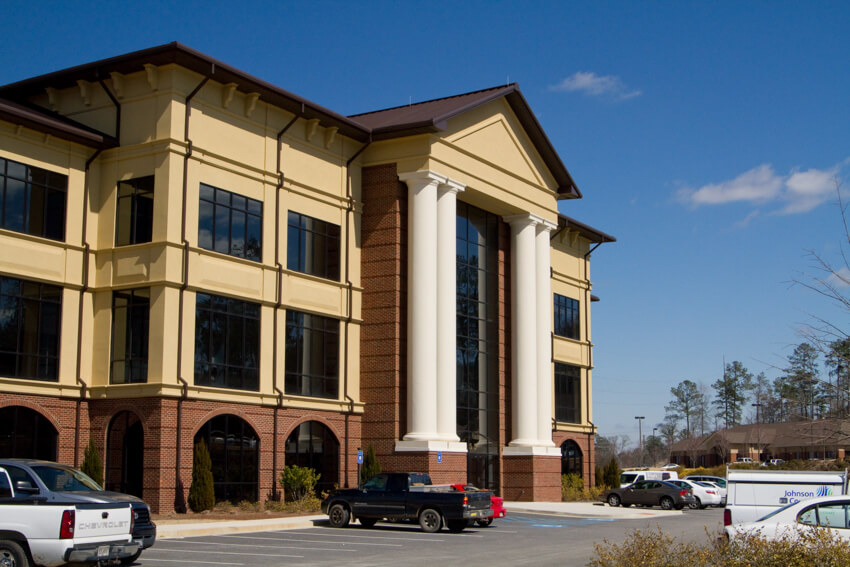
[456, 526]
[666, 503]
[485, 522]
[12, 554]
[339, 516]
[430, 521]
[614, 500]
[368, 522]
[132, 559]
[696, 504]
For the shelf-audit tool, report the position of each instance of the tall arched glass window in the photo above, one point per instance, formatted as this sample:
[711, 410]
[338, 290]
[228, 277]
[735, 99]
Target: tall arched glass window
[26, 434]
[235, 453]
[313, 445]
[571, 458]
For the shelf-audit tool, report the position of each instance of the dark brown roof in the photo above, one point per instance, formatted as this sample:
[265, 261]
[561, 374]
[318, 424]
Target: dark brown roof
[586, 231]
[193, 60]
[431, 116]
[41, 120]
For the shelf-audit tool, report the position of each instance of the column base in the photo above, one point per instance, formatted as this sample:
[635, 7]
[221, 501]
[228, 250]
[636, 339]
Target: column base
[415, 445]
[532, 476]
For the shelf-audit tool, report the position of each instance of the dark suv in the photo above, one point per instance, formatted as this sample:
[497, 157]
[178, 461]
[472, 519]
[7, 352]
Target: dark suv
[57, 482]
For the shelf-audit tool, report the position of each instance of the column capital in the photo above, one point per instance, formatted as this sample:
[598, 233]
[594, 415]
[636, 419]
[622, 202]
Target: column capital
[422, 177]
[450, 186]
[529, 219]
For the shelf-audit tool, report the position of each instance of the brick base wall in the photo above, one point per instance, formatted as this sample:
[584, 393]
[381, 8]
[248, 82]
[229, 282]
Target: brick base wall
[531, 478]
[585, 443]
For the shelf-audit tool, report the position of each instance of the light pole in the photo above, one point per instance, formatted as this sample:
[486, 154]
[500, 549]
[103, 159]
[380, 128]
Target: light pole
[757, 405]
[640, 419]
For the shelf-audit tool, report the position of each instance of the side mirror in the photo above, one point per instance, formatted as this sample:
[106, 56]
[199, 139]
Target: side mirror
[26, 487]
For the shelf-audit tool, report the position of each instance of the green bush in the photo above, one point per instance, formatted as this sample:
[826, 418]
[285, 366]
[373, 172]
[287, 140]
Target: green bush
[298, 482]
[654, 548]
[610, 474]
[370, 466]
[92, 465]
[202, 491]
[573, 490]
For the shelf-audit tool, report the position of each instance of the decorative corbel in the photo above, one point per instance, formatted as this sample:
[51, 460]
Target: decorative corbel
[227, 94]
[251, 103]
[312, 126]
[18, 129]
[117, 83]
[85, 93]
[47, 138]
[574, 238]
[330, 135]
[52, 98]
[153, 75]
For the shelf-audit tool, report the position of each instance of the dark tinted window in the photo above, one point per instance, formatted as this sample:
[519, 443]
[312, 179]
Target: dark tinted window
[230, 223]
[32, 200]
[30, 320]
[566, 317]
[134, 216]
[130, 333]
[312, 355]
[313, 246]
[567, 393]
[227, 342]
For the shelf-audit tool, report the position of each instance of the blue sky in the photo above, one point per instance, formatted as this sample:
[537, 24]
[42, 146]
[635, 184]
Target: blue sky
[704, 136]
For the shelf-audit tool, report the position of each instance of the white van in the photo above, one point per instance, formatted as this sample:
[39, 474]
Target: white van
[752, 494]
[630, 476]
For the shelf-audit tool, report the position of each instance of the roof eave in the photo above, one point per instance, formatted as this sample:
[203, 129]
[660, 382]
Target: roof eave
[58, 126]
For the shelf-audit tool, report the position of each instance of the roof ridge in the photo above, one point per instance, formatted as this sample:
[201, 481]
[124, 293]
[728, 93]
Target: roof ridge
[434, 100]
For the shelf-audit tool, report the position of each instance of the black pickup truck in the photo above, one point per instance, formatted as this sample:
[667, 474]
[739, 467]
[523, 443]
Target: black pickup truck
[407, 496]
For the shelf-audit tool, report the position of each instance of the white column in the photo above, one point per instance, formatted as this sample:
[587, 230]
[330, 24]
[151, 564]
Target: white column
[523, 330]
[422, 305]
[447, 310]
[545, 380]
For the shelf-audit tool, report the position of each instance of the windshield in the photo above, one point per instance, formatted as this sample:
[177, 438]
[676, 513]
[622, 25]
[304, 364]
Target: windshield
[64, 479]
[627, 478]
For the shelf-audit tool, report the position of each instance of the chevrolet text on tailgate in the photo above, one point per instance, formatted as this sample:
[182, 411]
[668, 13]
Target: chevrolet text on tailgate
[407, 496]
[35, 532]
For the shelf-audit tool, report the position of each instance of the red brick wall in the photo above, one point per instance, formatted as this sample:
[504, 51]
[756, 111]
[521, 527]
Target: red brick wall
[532, 478]
[585, 443]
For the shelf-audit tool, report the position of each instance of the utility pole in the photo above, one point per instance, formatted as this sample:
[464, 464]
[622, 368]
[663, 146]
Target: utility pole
[757, 405]
[640, 419]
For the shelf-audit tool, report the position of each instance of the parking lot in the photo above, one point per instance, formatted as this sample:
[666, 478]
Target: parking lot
[519, 539]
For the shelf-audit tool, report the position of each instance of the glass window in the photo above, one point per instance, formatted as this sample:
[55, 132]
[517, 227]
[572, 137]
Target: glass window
[30, 320]
[230, 223]
[227, 343]
[130, 332]
[134, 211]
[234, 449]
[314, 445]
[313, 246]
[567, 393]
[312, 355]
[32, 200]
[834, 515]
[566, 317]
[26, 434]
[571, 458]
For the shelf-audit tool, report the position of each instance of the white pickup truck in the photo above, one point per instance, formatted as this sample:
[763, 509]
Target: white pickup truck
[33, 532]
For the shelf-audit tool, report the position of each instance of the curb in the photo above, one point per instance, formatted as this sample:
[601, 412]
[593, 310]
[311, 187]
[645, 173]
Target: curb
[178, 530]
[605, 512]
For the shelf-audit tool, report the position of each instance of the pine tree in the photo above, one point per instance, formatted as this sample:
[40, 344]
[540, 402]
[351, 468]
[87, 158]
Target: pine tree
[371, 466]
[92, 465]
[202, 491]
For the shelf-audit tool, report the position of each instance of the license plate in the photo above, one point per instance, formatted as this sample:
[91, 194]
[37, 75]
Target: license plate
[103, 551]
[473, 514]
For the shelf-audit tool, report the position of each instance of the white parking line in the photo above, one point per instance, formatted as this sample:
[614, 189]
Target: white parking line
[193, 562]
[267, 546]
[231, 553]
[306, 541]
[354, 535]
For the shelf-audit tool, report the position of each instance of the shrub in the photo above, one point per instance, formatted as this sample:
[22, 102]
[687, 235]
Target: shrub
[370, 466]
[573, 490]
[202, 490]
[92, 465]
[298, 482]
[611, 474]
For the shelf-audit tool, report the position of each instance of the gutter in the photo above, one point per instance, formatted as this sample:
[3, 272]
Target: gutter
[278, 301]
[350, 289]
[83, 289]
[179, 502]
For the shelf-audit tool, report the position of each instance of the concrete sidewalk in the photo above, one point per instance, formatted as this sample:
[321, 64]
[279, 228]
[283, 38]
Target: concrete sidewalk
[171, 529]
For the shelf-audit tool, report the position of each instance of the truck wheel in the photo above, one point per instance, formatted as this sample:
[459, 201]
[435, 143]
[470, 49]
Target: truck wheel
[456, 526]
[430, 521]
[12, 554]
[368, 522]
[132, 559]
[339, 516]
[666, 503]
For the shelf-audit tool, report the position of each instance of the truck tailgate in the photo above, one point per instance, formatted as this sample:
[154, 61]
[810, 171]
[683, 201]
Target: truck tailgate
[96, 521]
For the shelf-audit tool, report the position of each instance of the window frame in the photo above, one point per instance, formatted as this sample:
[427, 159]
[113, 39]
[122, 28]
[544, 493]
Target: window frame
[137, 309]
[319, 377]
[567, 318]
[235, 352]
[31, 305]
[223, 207]
[137, 188]
[565, 374]
[303, 234]
[25, 180]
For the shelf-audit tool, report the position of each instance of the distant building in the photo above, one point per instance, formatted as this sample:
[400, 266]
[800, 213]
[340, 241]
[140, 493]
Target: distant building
[817, 439]
[189, 253]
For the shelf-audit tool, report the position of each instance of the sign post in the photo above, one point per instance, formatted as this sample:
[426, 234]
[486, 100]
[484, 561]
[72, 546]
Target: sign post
[359, 464]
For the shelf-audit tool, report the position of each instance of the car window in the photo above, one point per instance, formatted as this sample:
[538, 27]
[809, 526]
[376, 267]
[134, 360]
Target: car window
[378, 482]
[17, 475]
[833, 515]
[396, 484]
[627, 478]
[654, 485]
[808, 517]
[5, 485]
[66, 479]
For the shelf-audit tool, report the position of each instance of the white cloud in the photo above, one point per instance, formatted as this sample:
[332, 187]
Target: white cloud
[797, 192]
[592, 84]
[840, 279]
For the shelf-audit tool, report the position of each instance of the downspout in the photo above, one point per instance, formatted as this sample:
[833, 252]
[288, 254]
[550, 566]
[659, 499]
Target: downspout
[350, 289]
[589, 356]
[278, 302]
[178, 500]
[83, 289]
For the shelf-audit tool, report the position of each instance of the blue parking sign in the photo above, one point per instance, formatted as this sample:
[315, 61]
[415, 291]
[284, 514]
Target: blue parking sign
[439, 456]
[360, 457]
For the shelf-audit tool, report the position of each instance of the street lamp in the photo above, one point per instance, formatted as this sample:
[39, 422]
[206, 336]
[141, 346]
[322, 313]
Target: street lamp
[757, 405]
[640, 419]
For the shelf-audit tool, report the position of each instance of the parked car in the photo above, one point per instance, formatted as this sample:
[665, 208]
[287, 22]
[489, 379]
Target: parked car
[497, 504]
[773, 462]
[669, 466]
[629, 477]
[704, 495]
[718, 480]
[720, 490]
[60, 483]
[827, 512]
[650, 493]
